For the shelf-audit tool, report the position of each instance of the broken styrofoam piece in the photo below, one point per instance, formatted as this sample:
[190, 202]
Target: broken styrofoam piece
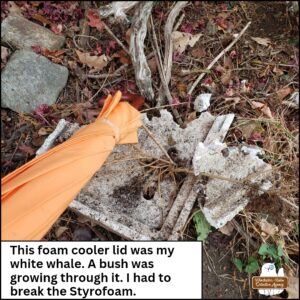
[139, 60]
[226, 192]
[293, 101]
[219, 129]
[115, 197]
[52, 137]
[202, 102]
[117, 8]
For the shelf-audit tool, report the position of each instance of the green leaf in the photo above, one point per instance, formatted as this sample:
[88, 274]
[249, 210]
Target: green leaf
[203, 228]
[252, 265]
[270, 250]
[280, 250]
[238, 263]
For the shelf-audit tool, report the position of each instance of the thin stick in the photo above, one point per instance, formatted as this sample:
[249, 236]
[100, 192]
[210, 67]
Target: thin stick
[163, 75]
[217, 58]
[179, 21]
[115, 74]
[114, 37]
[288, 202]
[158, 144]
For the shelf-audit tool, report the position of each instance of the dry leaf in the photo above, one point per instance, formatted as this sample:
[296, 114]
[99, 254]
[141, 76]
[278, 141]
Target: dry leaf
[277, 71]
[282, 93]
[256, 104]
[227, 229]
[94, 20]
[261, 41]
[123, 57]
[226, 76]
[266, 111]
[198, 52]
[127, 35]
[60, 230]
[264, 108]
[268, 228]
[45, 131]
[152, 65]
[42, 19]
[182, 39]
[96, 62]
[27, 150]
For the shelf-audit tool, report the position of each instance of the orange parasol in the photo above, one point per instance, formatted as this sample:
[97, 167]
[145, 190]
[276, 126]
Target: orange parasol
[36, 194]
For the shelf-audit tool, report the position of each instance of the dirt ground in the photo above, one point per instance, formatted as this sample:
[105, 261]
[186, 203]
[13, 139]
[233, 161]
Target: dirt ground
[270, 69]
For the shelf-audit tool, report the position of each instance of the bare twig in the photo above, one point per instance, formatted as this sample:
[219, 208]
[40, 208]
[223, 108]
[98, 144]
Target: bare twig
[217, 58]
[179, 22]
[115, 74]
[115, 38]
[83, 23]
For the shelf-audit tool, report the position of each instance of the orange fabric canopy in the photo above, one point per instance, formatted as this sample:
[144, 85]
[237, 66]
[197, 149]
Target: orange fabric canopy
[36, 194]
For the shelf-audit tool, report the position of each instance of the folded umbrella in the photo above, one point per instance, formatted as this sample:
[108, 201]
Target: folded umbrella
[36, 194]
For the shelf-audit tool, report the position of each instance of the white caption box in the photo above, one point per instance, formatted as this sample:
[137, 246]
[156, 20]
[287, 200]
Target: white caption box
[106, 270]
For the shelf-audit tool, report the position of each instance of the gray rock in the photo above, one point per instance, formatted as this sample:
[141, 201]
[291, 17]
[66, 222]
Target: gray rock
[29, 80]
[21, 33]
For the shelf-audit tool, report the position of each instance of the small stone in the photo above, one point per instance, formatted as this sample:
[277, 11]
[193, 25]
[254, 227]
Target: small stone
[23, 34]
[29, 80]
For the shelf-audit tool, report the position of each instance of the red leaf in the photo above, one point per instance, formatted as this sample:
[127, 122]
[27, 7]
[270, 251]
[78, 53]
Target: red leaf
[57, 29]
[27, 150]
[98, 48]
[94, 20]
[175, 102]
[42, 109]
[111, 46]
[186, 27]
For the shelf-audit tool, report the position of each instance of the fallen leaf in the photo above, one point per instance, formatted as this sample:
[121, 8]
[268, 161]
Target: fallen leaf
[45, 130]
[278, 71]
[261, 41]
[94, 20]
[266, 111]
[182, 39]
[128, 35]
[268, 228]
[256, 104]
[186, 27]
[123, 57]
[111, 46]
[60, 230]
[264, 108]
[198, 52]
[42, 19]
[57, 29]
[175, 102]
[27, 150]
[226, 77]
[96, 62]
[227, 229]
[182, 89]
[152, 64]
[282, 93]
